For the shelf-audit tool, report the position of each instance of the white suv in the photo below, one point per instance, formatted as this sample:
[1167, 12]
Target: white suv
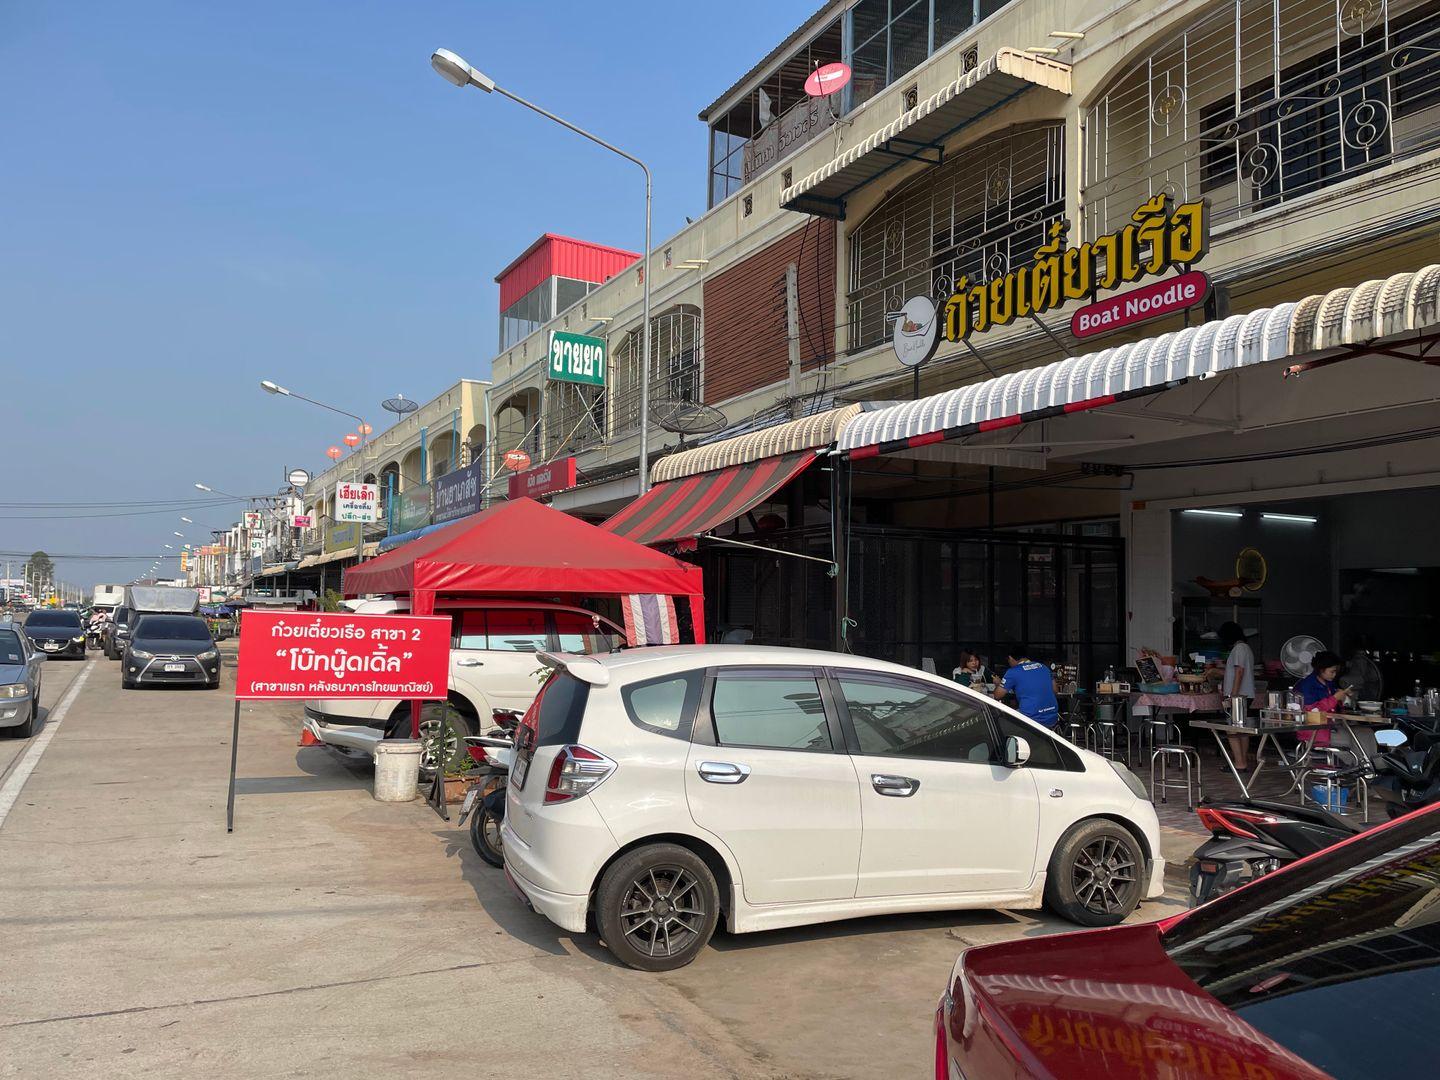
[661, 789]
[494, 664]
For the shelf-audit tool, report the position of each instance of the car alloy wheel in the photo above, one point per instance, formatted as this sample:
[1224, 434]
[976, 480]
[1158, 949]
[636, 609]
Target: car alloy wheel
[663, 911]
[1103, 875]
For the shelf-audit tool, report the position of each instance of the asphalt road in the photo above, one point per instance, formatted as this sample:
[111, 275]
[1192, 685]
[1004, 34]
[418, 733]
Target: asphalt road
[331, 934]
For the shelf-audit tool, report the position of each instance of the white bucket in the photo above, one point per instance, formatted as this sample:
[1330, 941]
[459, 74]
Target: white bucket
[397, 770]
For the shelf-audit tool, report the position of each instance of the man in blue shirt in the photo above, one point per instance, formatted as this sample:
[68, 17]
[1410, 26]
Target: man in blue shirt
[1033, 686]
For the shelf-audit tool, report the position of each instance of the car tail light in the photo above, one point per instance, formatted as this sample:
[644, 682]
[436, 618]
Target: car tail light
[1228, 821]
[942, 1066]
[478, 755]
[575, 772]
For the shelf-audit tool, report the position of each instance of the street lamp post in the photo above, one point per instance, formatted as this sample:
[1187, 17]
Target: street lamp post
[457, 72]
[362, 428]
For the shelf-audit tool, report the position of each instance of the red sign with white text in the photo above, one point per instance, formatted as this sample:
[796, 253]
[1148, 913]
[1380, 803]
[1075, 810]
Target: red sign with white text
[304, 654]
[1127, 309]
[543, 480]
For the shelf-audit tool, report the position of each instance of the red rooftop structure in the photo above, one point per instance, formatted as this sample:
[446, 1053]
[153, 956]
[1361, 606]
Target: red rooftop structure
[550, 275]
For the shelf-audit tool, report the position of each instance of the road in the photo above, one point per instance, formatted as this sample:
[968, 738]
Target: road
[333, 934]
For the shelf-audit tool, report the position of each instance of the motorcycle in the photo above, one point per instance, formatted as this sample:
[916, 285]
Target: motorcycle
[486, 813]
[1251, 838]
[92, 636]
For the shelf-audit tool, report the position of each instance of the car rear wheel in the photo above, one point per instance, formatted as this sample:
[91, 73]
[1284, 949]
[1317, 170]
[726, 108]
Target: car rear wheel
[1096, 875]
[657, 907]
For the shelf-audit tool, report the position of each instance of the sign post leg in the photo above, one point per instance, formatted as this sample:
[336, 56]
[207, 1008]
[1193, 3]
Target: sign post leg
[234, 754]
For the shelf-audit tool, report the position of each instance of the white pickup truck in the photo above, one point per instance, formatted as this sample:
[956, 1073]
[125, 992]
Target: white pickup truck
[493, 665]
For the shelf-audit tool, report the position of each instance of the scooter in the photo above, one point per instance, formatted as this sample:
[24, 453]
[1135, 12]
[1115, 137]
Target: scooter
[1252, 838]
[486, 813]
[92, 636]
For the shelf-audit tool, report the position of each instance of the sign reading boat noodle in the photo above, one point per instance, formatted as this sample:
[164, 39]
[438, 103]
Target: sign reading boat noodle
[1160, 237]
[303, 654]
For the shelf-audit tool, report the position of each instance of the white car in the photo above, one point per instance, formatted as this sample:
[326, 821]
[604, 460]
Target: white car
[494, 665]
[662, 789]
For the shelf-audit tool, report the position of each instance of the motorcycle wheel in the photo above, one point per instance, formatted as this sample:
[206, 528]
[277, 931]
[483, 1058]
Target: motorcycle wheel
[485, 836]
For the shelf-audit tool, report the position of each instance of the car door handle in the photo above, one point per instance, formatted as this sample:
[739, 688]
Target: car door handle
[466, 661]
[901, 787]
[723, 772]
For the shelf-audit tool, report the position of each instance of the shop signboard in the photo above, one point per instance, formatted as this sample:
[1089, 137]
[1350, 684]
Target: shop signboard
[1151, 302]
[457, 494]
[357, 502]
[257, 544]
[1160, 237]
[577, 358]
[786, 133]
[339, 537]
[410, 509]
[917, 331]
[254, 520]
[543, 479]
[300, 654]
[302, 521]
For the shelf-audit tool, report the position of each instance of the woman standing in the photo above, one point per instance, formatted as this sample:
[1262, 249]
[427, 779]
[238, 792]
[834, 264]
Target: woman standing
[1238, 680]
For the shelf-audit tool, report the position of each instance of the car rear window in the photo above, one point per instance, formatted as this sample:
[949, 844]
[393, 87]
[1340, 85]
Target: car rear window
[171, 628]
[559, 710]
[1336, 959]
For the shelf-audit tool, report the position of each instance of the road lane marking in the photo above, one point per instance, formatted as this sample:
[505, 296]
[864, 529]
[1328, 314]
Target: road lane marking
[10, 791]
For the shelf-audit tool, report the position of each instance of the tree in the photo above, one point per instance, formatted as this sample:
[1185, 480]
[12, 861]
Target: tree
[39, 570]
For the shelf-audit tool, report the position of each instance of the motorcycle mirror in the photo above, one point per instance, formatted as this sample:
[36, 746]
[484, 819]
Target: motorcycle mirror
[1390, 738]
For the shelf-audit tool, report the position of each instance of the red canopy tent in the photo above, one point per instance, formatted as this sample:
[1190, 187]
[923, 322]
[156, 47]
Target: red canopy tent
[522, 547]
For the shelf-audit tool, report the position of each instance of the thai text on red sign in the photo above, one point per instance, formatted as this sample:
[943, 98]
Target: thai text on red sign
[543, 480]
[302, 654]
[1127, 309]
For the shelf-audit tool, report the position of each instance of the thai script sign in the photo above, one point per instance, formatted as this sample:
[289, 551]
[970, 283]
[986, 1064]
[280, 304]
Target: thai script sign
[254, 520]
[785, 134]
[543, 480]
[357, 502]
[302, 521]
[577, 358]
[1127, 309]
[297, 654]
[457, 494]
[1159, 237]
[339, 537]
[410, 509]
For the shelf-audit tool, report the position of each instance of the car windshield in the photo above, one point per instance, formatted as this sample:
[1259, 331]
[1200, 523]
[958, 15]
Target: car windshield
[171, 628]
[53, 620]
[10, 650]
[1336, 960]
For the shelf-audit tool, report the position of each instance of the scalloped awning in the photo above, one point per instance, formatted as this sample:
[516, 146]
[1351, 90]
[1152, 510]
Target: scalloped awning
[803, 434]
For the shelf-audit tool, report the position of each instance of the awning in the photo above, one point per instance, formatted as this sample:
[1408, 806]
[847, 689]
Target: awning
[694, 505]
[1354, 319]
[920, 133]
[803, 434]
[370, 550]
[394, 540]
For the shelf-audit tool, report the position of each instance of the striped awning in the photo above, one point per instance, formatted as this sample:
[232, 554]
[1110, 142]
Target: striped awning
[1353, 319]
[804, 434]
[693, 505]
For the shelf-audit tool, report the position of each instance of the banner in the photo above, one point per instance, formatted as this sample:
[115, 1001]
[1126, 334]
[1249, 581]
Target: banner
[357, 502]
[410, 509]
[543, 479]
[296, 654]
[338, 537]
[457, 494]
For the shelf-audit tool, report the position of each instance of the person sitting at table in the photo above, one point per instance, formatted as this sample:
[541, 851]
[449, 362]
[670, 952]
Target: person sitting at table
[1318, 690]
[972, 670]
[1033, 686]
[1238, 680]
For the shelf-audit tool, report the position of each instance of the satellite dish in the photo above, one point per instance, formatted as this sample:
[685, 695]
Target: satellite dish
[827, 79]
[687, 417]
[1297, 653]
[400, 405]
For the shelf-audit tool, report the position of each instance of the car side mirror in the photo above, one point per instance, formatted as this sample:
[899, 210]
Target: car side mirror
[1017, 751]
[40, 656]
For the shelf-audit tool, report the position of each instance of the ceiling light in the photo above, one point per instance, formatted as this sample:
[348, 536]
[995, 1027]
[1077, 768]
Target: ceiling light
[1216, 513]
[1298, 519]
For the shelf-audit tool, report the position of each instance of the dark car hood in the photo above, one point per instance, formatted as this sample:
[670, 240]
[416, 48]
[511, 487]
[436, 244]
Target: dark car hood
[1111, 1003]
[171, 647]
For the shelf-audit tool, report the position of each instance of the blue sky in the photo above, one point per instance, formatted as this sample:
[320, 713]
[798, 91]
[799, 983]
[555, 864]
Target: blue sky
[201, 195]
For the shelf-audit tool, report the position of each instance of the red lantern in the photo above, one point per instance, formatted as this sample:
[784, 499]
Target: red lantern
[516, 459]
[334, 453]
[352, 440]
[365, 429]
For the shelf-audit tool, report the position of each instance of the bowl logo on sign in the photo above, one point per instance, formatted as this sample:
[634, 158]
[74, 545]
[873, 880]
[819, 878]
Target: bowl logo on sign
[917, 331]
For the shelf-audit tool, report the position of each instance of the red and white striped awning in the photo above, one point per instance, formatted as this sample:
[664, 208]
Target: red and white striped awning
[1357, 318]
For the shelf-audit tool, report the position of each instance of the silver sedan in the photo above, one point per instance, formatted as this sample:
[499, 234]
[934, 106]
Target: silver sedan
[19, 681]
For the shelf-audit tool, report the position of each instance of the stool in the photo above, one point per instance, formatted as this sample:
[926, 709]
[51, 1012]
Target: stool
[1336, 775]
[1186, 757]
[1154, 731]
[1109, 740]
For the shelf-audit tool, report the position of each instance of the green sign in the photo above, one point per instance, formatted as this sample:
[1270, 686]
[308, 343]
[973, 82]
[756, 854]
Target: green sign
[412, 508]
[577, 358]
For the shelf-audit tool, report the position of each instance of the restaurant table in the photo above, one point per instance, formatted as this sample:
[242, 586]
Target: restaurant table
[1182, 702]
[1274, 722]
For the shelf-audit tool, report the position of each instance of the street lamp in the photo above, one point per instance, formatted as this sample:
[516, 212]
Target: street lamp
[454, 70]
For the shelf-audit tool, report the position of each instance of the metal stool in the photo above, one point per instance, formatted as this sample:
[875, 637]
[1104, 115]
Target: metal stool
[1151, 732]
[1108, 739]
[1072, 725]
[1187, 757]
[1335, 774]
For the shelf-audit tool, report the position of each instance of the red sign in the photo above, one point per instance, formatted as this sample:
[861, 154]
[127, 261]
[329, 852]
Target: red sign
[516, 459]
[304, 654]
[1127, 309]
[827, 79]
[543, 480]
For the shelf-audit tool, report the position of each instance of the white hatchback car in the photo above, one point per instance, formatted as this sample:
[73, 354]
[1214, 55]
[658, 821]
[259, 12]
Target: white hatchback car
[661, 789]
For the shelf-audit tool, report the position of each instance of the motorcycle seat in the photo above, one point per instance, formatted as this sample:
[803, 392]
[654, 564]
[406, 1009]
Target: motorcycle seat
[1313, 814]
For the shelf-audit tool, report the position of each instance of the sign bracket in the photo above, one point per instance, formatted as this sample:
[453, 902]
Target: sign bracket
[1051, 335]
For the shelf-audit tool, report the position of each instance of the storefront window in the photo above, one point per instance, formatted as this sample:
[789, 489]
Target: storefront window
[955, 221]
[1263, 101]
[574, 417]
[888, 38]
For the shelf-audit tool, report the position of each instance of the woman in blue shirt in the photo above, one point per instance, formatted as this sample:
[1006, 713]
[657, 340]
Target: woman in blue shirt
[1318, 690]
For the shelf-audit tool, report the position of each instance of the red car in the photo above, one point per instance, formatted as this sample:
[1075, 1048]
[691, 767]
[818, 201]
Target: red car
[1330, 967]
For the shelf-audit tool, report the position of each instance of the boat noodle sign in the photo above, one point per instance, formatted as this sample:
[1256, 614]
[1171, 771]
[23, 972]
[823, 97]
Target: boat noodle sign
[1127, 309]
[1160, 237]
[302, 654]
